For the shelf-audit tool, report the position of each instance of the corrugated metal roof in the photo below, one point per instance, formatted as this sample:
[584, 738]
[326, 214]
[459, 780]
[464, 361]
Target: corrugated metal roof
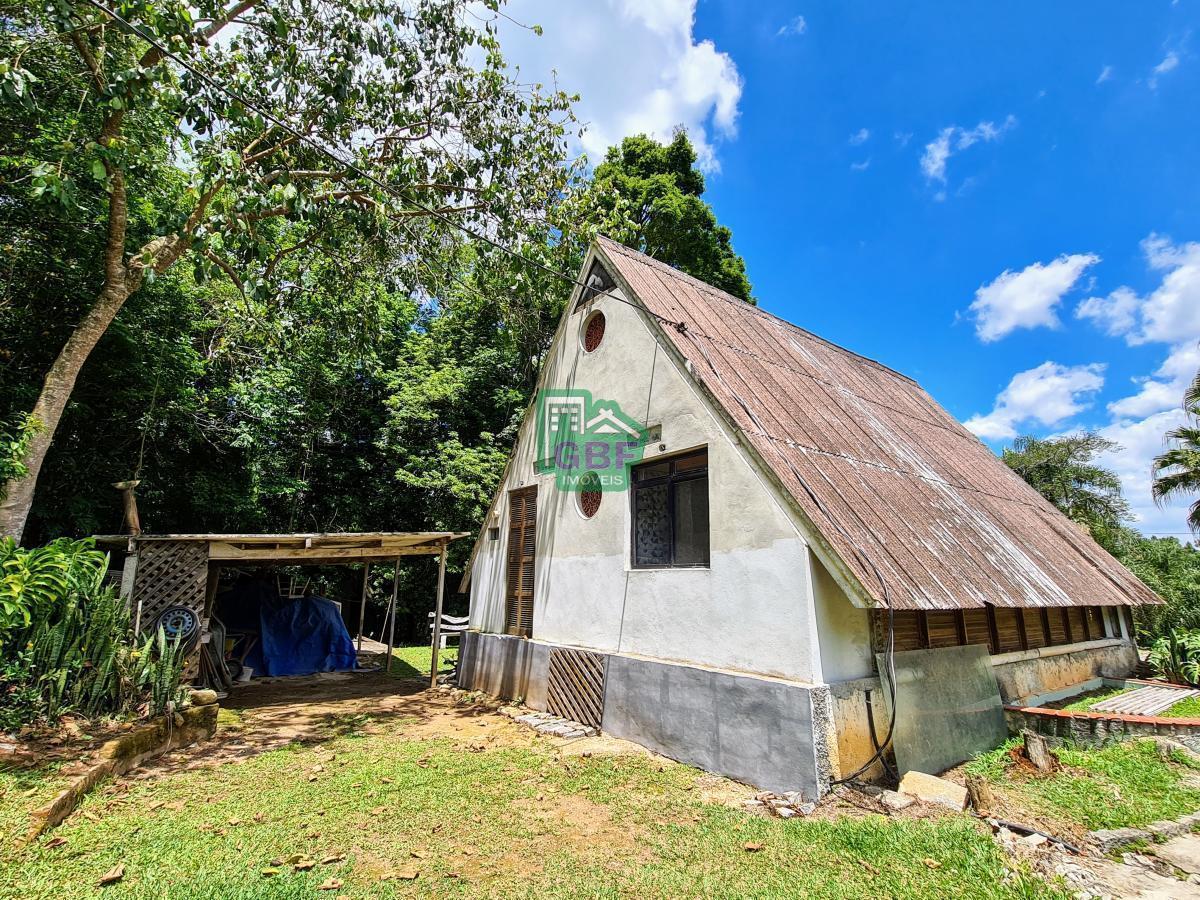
[914, 505]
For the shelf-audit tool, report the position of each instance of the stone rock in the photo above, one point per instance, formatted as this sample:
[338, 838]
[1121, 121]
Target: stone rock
[1182, 852]
[895, 801]
[931, 789]
[785, 812]
[806, 809]
[1034, 840]
[203, 698]
[1165, 830]
[1109, 839]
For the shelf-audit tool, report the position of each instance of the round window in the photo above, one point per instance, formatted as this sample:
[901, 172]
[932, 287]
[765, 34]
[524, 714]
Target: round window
[593, 331]
[590, 495]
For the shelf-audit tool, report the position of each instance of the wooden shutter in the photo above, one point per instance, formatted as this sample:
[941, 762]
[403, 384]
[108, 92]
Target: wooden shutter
[1008, 629]
[1095, 622]
[943, 628]
[1035, 627]
[522, 543]
[1058, 626]
[977, 629]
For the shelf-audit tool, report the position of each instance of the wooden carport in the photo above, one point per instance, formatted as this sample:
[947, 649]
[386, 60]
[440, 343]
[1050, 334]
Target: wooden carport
[163, 570]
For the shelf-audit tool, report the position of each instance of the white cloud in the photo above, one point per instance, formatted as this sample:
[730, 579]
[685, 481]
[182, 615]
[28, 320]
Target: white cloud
[796, 26]
[1164, 389]
[1116, 313]
[1046, 395]
[1140, 441]
[955, 139]
[1170, 313]
[1105, 74]
[860, 137]
[1170, 63]
[637, 67]
[1029, 298]
[861, 166]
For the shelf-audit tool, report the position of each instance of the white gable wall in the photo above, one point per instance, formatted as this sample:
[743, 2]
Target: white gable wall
[752, 610]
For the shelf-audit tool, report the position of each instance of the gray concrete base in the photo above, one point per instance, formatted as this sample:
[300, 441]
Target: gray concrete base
[505, 666]
[756, 730]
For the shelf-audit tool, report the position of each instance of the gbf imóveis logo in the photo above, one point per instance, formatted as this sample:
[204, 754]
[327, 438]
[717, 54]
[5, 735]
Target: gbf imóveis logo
[588, 444]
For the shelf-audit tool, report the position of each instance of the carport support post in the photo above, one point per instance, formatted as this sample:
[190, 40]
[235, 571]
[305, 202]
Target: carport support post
[391, 616]
[437, 618]
[362, 610]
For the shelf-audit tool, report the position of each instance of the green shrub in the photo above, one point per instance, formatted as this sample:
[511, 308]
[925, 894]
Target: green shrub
[1176, 655]
[68, 640]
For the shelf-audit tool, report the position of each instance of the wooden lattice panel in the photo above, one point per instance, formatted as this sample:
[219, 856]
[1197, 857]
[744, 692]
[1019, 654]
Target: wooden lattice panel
[170, 573]
[575, 689]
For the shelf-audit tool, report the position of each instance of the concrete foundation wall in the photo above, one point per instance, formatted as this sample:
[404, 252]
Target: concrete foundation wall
[504, 666]
[1042, 671]
[766, 732]
[1019, 676]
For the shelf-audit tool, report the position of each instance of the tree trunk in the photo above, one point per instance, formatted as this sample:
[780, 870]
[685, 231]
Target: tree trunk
[52, 401]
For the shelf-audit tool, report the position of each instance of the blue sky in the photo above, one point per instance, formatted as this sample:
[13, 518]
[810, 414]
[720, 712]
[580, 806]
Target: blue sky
[1003, 203]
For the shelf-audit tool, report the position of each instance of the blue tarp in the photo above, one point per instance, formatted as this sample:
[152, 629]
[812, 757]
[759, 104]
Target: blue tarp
[303, 636]
[296, 637]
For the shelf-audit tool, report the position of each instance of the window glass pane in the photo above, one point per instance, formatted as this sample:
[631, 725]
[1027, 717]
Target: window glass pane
[692, 463]
[651, 470]
[691, 522]
[651, 527]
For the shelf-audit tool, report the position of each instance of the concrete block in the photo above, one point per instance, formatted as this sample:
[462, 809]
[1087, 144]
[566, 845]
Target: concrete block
[895, 801]
[931, 789]
[1109, 839]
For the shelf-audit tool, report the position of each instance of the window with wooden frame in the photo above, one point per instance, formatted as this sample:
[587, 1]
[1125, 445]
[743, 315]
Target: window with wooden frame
[1002, 630]
[522, 546]
[669, 501]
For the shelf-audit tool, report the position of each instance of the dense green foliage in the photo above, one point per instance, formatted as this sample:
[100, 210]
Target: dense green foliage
[67, 643]
[1064, 471]
[1176, 656]
[329, 367]
[647, 195]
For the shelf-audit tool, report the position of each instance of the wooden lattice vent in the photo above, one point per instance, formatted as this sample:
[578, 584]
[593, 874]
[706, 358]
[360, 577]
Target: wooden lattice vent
[575, 688]
[170, 573]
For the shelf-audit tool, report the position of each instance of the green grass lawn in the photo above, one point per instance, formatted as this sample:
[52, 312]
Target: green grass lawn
[450, 817]
[22, 791]
[1084, 704]
[1124, 785]
[1184, 709]
[413, 662]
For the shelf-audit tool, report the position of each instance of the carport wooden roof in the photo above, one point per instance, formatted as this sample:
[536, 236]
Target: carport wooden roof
[298, 549]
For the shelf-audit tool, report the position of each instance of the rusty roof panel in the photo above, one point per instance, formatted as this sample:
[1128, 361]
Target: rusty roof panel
[916, 507]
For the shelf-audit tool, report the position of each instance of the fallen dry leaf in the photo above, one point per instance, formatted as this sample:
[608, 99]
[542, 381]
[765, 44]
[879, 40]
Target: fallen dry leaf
[269, 871]
[333, 858]
[932, 863]
[113, 875]
[378, 810]
[91, 816]
[303, 865]
[235, 822]
[157, 804]
[260, 817]
[752, 848]
[420, 854]
[870, 868]
[330, 884]
[55, 842]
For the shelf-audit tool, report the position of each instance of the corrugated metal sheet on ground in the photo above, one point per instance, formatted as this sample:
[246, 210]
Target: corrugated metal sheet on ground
[907, 497]
[1145, 701]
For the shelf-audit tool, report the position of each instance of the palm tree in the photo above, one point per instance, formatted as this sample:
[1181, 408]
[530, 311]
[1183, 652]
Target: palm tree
[1177, 470]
